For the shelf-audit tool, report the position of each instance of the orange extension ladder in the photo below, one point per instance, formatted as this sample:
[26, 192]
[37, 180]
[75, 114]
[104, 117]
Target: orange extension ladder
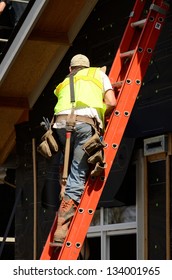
[126, 75]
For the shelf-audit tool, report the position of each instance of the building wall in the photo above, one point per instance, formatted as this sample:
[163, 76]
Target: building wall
[99, 40]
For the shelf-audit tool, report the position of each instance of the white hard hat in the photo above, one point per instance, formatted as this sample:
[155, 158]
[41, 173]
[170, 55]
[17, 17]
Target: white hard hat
[80, 60]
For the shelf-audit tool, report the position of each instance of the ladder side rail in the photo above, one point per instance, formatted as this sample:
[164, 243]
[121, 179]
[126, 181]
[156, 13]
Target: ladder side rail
[48, 251]
[126, 40]
[159, 21]
[116, 72]
[147, 43]
[93, 190]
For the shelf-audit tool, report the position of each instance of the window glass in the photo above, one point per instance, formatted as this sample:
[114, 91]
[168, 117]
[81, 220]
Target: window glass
[124, 214]
[123, 247]
[96, 218]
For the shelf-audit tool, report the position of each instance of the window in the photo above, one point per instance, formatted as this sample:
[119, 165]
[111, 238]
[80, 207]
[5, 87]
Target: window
[118, 232]
[109, 228]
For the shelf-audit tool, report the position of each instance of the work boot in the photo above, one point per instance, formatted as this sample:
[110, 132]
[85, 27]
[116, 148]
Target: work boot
[64, 216]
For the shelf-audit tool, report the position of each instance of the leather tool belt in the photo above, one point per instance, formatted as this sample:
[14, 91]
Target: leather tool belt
[78, 118]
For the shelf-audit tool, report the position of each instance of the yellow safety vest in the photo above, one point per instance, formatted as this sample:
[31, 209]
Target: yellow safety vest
[88, 88]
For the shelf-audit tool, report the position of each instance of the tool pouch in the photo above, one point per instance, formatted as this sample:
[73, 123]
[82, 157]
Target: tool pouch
[97, 157]
[94, 149]
[98, 161]
[48, 145]
[98, 169]
[44, 149]
[93, 145]
[51, 140]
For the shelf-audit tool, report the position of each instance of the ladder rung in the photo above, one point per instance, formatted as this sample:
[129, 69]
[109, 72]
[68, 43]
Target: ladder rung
[3, 40]
[159, 9]
[117, 84]
[127, 54]
[21, 1]
[139, 23]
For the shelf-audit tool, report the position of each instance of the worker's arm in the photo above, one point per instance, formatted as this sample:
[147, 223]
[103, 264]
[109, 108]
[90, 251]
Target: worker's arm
[110, 101]
[109, 95]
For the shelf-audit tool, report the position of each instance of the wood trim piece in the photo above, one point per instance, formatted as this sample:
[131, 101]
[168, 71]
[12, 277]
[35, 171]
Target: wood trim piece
[168, 207]
[157, 157]
[169, 144]
[145, 210]
[60, 38]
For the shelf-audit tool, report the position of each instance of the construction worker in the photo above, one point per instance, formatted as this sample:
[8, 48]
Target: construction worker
[94, 97]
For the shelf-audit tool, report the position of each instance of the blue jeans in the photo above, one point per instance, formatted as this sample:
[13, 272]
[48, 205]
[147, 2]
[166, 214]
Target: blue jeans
[79, 167]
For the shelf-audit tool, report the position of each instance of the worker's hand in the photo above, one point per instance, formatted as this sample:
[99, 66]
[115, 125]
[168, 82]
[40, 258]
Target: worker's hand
[2, 7]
